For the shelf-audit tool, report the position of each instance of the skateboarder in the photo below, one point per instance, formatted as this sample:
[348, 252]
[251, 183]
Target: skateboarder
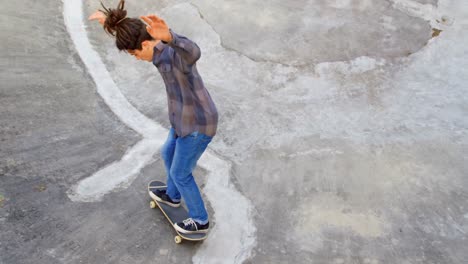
[192, 112]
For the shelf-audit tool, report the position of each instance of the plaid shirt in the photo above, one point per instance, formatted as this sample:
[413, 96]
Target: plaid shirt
[190, 105]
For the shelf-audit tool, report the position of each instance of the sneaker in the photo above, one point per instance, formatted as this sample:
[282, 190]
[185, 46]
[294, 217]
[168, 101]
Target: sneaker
[189, 226]
[162, 197]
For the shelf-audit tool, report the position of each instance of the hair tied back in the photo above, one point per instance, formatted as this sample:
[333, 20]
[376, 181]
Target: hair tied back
[114, 17]
[118, 22]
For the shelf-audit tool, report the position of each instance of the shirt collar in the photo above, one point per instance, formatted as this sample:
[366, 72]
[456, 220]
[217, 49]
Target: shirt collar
[160, 46]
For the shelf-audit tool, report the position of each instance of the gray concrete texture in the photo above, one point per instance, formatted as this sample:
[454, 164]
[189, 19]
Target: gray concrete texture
[345, 123]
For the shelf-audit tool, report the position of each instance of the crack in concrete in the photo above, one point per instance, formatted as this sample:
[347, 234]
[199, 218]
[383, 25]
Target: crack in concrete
[406, 6]
[239, 52]
[397, 4]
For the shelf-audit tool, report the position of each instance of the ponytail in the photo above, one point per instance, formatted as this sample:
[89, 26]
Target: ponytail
[129, 32]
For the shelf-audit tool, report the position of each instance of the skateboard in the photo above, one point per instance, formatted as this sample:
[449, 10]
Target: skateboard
[172, 214]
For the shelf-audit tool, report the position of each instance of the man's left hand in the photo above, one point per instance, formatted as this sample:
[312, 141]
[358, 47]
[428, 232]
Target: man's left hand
[157, 28]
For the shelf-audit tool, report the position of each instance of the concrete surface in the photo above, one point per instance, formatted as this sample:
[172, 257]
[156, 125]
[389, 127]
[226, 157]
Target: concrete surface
[343, 124]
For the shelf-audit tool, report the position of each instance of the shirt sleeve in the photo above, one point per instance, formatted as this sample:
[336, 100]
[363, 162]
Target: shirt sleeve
[185, 48]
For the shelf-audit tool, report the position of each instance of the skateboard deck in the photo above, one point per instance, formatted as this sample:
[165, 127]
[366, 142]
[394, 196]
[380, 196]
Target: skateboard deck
[173, 214]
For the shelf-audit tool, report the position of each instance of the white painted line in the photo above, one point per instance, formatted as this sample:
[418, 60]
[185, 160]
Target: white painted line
[117, 175]
[232, 238]
[416, 9]
[412, 8]
[121, 173]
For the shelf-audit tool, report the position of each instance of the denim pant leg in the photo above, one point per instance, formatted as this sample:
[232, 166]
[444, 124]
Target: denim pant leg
[187, 152]
[167, 154]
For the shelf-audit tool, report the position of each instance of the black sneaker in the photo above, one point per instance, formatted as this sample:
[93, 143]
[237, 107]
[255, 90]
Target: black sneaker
[162, 197]
[189, 226]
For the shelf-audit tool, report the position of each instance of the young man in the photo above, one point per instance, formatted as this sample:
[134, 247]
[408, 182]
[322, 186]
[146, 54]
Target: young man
[192, 112]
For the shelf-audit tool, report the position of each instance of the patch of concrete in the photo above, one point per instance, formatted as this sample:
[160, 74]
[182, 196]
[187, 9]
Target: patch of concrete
[329, 211]
[281, 32]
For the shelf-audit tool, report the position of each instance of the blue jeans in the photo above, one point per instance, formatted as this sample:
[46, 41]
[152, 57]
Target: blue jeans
[180, 157]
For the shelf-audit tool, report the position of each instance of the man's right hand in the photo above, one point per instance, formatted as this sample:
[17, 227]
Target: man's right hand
[99, 16]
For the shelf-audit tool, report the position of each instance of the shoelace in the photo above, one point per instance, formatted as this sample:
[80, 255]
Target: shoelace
[189, 221]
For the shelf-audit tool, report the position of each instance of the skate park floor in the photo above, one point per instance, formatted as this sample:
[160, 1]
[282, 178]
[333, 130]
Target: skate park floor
[343, 135]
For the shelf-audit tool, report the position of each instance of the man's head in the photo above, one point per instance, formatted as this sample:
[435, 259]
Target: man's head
[130, 33]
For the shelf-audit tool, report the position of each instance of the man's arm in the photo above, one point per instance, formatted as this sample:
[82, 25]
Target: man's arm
[186, 48]
[99, 16]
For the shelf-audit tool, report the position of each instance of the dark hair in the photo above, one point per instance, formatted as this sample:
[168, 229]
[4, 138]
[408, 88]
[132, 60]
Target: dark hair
[129, 32]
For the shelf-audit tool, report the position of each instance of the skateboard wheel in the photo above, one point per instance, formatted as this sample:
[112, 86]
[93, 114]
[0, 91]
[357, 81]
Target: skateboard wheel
[152, 204]
[178, 239]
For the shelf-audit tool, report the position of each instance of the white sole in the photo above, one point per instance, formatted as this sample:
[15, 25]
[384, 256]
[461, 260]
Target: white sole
[183, 231]
[155, 197]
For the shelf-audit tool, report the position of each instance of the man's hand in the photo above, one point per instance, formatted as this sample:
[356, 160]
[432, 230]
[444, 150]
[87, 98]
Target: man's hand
[157, 28]
[99, 16]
